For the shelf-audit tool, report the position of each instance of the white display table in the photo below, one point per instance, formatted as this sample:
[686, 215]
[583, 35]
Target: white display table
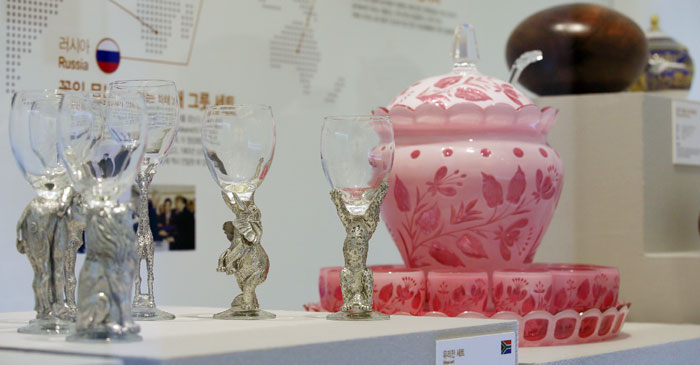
[307, 338]
[293, 338]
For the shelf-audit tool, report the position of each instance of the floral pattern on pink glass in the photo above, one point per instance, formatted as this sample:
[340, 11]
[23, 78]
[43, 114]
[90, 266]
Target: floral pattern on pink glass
[406, 295]
[498, 216]
[521, 292]
[447, 90]
[572, 289]
[454, 293]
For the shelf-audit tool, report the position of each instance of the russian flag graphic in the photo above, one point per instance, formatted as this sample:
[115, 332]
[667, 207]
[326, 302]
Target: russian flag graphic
[107, 55]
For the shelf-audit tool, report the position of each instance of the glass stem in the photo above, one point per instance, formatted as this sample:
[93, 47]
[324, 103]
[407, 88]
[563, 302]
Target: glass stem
[144, 235]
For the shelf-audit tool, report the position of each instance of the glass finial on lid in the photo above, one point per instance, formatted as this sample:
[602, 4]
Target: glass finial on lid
[465, 52]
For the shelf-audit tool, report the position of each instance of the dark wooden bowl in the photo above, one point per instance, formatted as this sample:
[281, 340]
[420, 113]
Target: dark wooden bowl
[586, 48]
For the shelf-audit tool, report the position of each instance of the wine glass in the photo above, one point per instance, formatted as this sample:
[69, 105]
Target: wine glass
[163, 106]
[42, 227]
[101, 144]
[357, 153]
[239, 143]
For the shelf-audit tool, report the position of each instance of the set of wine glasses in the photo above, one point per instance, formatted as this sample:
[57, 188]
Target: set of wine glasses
[82, 153]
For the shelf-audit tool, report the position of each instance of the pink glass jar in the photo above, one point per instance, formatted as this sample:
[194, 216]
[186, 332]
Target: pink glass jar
[474, 182]
[453, 291]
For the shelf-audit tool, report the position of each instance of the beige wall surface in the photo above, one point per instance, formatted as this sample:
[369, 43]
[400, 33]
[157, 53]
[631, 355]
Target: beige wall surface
[625, 203]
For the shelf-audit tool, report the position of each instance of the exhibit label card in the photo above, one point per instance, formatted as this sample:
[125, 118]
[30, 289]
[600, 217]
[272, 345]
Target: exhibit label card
[686, 133]
[496, 349]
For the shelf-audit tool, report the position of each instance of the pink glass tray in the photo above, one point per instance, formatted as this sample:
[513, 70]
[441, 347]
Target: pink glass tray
[541, 328]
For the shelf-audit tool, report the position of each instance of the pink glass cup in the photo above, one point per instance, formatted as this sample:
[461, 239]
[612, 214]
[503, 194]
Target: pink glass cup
[396, 289]
[522, 291]
[572, 288]
[329, 288]
[455, 291]
[605, 286]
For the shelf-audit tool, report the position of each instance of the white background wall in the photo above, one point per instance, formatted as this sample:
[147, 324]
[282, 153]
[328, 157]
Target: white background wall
[231, 55]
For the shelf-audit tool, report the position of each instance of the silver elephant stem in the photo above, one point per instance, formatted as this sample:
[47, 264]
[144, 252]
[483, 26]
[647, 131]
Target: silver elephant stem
[144, 238]
[50, 237]
[106, 279]
[356, 279]
[245, 258]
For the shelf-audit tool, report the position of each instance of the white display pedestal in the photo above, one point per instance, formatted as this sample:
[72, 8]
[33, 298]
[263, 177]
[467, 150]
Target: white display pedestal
[637, 344]
[308, 338]
[293, 338]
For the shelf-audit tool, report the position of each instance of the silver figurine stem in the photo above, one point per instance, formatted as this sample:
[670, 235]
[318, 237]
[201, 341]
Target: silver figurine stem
[107, 276]
[245, 258]
[144, 238]
[144, 305]
[50, 237]
[356, 279]
[67, 240]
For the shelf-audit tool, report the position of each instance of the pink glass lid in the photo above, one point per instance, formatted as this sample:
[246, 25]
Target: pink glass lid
[465, 84]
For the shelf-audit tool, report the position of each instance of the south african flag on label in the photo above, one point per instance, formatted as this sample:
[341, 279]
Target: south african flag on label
[505, 347]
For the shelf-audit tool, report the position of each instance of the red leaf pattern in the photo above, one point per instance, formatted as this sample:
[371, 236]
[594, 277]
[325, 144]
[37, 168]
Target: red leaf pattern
[386, 292]
[478, 291]
[492, 190]
[608, 302]
[511, 94]
[417, 301]
[429, 219]
[444, 256]
[459, 294]
[516, 187]
[440, 173]
[545, 187]
[436, 304]
[447, 81]
[560, 300]
[583, 290]
[498, 292]
[471, 94]
[401, 195]
[472, 247]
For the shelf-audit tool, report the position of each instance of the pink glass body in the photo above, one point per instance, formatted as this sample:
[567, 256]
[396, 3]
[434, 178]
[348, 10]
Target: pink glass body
[396, 289]
[471, 187]
[453, 292]
[522, 291]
